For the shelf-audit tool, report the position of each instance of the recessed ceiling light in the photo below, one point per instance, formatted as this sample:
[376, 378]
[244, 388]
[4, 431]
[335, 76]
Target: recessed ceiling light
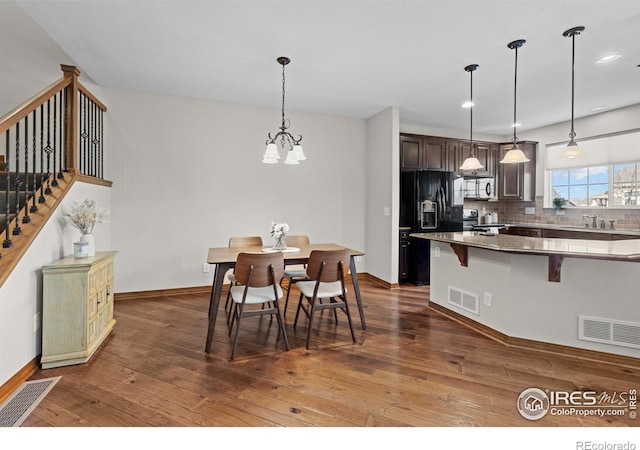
[608, 59]
[467, 104]
[598, 108]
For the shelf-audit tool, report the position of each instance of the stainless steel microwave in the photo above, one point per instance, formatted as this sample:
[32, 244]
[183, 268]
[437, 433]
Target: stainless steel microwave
[479, 188]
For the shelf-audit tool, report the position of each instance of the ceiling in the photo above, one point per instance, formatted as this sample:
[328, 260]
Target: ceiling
[357, 58]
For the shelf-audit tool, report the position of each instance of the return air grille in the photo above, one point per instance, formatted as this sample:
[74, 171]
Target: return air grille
[609, 331]
[463, 299]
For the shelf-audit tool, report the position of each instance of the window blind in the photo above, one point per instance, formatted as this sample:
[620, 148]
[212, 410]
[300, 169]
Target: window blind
[598, 151]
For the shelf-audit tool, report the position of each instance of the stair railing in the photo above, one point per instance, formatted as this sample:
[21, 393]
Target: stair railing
[58, 131]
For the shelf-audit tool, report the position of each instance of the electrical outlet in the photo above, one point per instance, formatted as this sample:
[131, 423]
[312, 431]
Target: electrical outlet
[358, 258]
[206, 268]
[36, 322]
[436, 252]
[488, 298]
[530, 210]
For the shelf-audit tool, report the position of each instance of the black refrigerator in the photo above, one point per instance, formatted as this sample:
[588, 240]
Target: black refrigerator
[430, 201]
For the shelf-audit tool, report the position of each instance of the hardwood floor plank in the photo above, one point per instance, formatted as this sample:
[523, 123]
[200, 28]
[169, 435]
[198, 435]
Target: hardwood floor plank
[412, 367]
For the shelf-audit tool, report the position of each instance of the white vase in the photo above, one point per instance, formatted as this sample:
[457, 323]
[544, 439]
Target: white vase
[88, 238]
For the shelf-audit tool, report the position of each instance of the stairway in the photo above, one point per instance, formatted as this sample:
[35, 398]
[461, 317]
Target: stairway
[12, 195]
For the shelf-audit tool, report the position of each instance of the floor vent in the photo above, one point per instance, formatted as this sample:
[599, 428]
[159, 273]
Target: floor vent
[463, 299]
[24, 400]
[609, 331]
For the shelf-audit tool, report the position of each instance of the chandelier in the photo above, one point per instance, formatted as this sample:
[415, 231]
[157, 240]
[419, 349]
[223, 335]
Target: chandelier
[515, 155]
[287, 141]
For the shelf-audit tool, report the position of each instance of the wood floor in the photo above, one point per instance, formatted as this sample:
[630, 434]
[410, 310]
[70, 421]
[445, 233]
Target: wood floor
[411, 367]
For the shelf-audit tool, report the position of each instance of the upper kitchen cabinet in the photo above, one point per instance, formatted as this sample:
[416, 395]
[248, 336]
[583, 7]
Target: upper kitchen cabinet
[426, 152]
[518, 181]
[485, 152]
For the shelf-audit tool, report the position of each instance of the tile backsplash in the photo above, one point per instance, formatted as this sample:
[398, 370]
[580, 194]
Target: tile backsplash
[514, 212]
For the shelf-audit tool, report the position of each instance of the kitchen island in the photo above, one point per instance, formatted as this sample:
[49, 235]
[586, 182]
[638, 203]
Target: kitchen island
[575, 296]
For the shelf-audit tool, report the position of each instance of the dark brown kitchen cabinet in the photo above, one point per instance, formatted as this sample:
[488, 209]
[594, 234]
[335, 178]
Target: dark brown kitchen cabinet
[403, 266]
[517, 181]
[426, 152]
[411, 151]
[486, 154]
[522, 231]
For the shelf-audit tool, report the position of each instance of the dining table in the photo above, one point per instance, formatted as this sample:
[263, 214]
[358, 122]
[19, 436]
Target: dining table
[224, 259]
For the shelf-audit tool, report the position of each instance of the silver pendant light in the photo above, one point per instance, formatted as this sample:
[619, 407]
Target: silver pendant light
[515, 155]
[471, 163]
[294, 150]
[572, 149]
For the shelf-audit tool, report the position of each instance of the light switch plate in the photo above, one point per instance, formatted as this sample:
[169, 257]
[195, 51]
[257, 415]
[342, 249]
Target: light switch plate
[530, 210]
[436, 252]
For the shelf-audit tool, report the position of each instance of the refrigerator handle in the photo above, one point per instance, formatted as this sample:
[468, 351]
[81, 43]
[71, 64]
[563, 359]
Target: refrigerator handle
[419, 212]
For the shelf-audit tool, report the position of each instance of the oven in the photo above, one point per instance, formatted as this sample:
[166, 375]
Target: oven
[469, 219]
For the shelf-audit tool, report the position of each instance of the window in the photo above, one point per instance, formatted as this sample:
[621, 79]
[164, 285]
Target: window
[598, 186]
[608, 175]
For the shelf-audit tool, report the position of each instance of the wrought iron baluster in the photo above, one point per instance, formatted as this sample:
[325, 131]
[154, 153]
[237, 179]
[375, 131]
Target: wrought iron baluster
[95, 141]
[54, 181]
[84, 135]
[100, 144]
[41, 199]
[25, 218]
[48, 149]
[61, 133]
[7, 176]
[17, 182]
[66, 120]
[34, 180]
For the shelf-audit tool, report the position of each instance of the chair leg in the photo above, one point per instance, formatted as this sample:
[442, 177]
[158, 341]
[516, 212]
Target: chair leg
[313, 310]
[286, 302]
[348, 313]
[235, 339]
[281, 324]
[233, 313]
[295, 322]
[335, 313]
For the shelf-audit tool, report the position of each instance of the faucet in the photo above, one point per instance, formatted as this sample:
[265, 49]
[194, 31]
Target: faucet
[594, 224]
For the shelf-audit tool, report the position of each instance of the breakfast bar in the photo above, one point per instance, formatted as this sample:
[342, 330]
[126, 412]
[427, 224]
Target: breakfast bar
[568, 292]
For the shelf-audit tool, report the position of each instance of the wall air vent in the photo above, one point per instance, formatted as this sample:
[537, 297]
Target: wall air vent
[463, 299]
[609, 331]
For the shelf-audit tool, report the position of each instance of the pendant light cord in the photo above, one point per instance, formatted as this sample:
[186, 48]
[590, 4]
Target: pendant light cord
[572, 135]
[515, 84]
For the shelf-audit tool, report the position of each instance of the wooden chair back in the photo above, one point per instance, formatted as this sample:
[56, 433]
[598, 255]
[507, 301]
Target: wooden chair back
[297, 240]
[328, 266]
[255, 269]
[245, 241]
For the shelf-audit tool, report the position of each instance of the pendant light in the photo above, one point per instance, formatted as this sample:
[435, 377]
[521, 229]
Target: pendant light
[515, 155]
[287, 141]
[572, 150]
[471, 163]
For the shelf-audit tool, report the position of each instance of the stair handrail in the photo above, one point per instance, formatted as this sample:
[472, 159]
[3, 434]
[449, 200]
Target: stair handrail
[73, 88]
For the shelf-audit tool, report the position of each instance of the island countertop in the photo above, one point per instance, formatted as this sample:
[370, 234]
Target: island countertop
[622, 250]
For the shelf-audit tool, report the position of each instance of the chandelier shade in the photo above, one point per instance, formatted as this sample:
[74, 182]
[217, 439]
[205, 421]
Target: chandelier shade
[515, 155]
[286, 140]
[471, 163]
[572, 150]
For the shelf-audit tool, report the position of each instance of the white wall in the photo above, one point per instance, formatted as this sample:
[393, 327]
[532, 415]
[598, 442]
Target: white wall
[21, 294]
[188, 175]
[526, 305]
[383, 172]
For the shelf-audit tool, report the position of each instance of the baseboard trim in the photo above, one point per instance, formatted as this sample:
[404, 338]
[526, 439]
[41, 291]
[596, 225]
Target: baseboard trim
[20, 377]
[138, 295]
[207, 289]
[530, 344]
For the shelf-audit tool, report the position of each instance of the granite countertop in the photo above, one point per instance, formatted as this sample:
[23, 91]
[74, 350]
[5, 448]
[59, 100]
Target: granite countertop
[622, 250]
[550, 226]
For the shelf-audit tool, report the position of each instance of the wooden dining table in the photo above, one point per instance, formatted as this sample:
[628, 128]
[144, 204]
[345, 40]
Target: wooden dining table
[224, 258]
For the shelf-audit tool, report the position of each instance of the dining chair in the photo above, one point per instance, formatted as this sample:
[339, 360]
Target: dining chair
[296, 273]
[326, 270]
[257, 275]
[239, 241]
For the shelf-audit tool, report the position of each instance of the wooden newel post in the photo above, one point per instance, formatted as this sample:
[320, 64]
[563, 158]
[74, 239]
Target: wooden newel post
[71, 112]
